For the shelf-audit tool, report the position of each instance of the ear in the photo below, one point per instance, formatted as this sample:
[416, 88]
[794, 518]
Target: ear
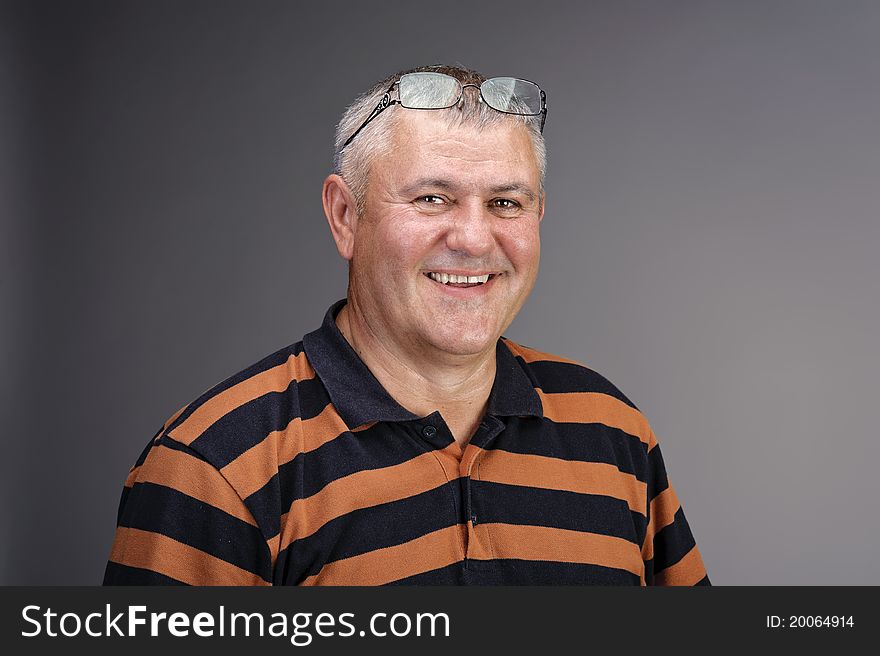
[341, 212]
[541, 215]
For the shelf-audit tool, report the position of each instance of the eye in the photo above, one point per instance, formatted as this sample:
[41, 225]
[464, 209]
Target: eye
[430, 199]
[505, 204]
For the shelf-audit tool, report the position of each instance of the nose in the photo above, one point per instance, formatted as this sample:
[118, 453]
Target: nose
[470, 230]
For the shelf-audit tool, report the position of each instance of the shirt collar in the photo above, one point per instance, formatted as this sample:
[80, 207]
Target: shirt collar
[359, 398]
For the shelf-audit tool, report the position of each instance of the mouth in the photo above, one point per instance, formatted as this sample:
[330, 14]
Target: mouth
[460, 281]
[462, 285]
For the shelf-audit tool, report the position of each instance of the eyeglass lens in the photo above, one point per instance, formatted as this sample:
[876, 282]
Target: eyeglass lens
[512, 95]
[427, 90]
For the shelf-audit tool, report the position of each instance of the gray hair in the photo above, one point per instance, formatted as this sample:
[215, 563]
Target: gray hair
[354, 163]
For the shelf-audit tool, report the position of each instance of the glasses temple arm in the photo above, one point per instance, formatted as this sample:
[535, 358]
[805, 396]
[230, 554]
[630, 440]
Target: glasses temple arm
[383, 104]
[543, 109]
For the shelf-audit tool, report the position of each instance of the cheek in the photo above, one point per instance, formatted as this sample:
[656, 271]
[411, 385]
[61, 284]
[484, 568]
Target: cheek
[393, 248]
[523, 248]
[409, 243]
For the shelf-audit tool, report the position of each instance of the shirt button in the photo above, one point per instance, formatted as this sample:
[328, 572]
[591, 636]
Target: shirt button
[429, 431]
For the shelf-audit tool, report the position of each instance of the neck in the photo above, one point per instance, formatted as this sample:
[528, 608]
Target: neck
[456, 385]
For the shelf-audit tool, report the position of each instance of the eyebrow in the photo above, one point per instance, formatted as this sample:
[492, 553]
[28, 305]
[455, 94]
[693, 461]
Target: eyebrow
[518, 187]
[421, 183]
[440, 183]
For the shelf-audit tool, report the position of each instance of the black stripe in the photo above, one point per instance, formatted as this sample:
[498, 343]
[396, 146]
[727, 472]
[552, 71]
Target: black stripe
[553, 377]
[512, 571]
[368, 529]
[174, 445]
[146, 451]
[123, 501]
[291, 479]
[530, 506]
[382, 445]
[273, 360]
[580, 442]
[248, 425]
[374, 448]
[164, 510]
[313, 398]
[672, 543]
[521, 572]
[657, 480]
[449, 575]
[704, 581]
[116, 574]
[265, 508]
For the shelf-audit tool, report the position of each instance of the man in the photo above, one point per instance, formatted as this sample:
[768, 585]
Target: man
[406, 441]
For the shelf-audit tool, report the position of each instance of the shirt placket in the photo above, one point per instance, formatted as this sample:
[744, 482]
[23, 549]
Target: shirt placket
[434, 430]
[477, 543]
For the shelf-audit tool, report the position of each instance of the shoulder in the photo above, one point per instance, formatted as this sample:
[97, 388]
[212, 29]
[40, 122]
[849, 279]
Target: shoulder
[572, 392]
[236, 414]
[555, 374]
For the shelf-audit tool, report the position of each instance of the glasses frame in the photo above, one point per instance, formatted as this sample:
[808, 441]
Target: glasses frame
[387, 101]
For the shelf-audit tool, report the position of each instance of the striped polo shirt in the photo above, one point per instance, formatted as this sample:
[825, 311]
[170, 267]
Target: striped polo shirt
[303, 470]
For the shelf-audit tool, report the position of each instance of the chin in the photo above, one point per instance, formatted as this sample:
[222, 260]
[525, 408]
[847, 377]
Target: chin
[458, 344]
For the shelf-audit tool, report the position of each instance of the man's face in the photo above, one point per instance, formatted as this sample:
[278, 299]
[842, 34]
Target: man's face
[448, 201]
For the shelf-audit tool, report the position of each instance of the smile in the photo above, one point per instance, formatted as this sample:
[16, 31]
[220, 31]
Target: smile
[460, 281]
[460, 286]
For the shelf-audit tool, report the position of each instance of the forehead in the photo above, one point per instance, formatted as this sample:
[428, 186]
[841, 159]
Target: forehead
[425, 142]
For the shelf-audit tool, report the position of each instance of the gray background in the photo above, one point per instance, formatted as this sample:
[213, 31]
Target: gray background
[709, 244]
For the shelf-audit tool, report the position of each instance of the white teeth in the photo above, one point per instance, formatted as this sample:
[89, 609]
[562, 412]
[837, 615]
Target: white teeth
[447, 278]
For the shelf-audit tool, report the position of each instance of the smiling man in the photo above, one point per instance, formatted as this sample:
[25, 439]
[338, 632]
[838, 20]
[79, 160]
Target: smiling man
[406, 441]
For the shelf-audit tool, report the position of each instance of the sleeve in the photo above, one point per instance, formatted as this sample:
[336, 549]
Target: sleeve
[669, 551]
[181, 522]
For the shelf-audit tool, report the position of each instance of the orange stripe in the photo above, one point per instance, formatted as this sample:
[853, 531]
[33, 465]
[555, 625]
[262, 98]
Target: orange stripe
[652, 440]
[193, 477]
[663, 509]
[173, 418]
[132, 476]
[251, 470]
[687, 571]
[451, 458]
[276, 379]
[159, 553]
[532, 355]
[274, 544]
[556, 474]
[362, 489]
[424, 553]
[133, 472]
[364, 427]
[556, 544]
[595, 407]
[320, 429]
